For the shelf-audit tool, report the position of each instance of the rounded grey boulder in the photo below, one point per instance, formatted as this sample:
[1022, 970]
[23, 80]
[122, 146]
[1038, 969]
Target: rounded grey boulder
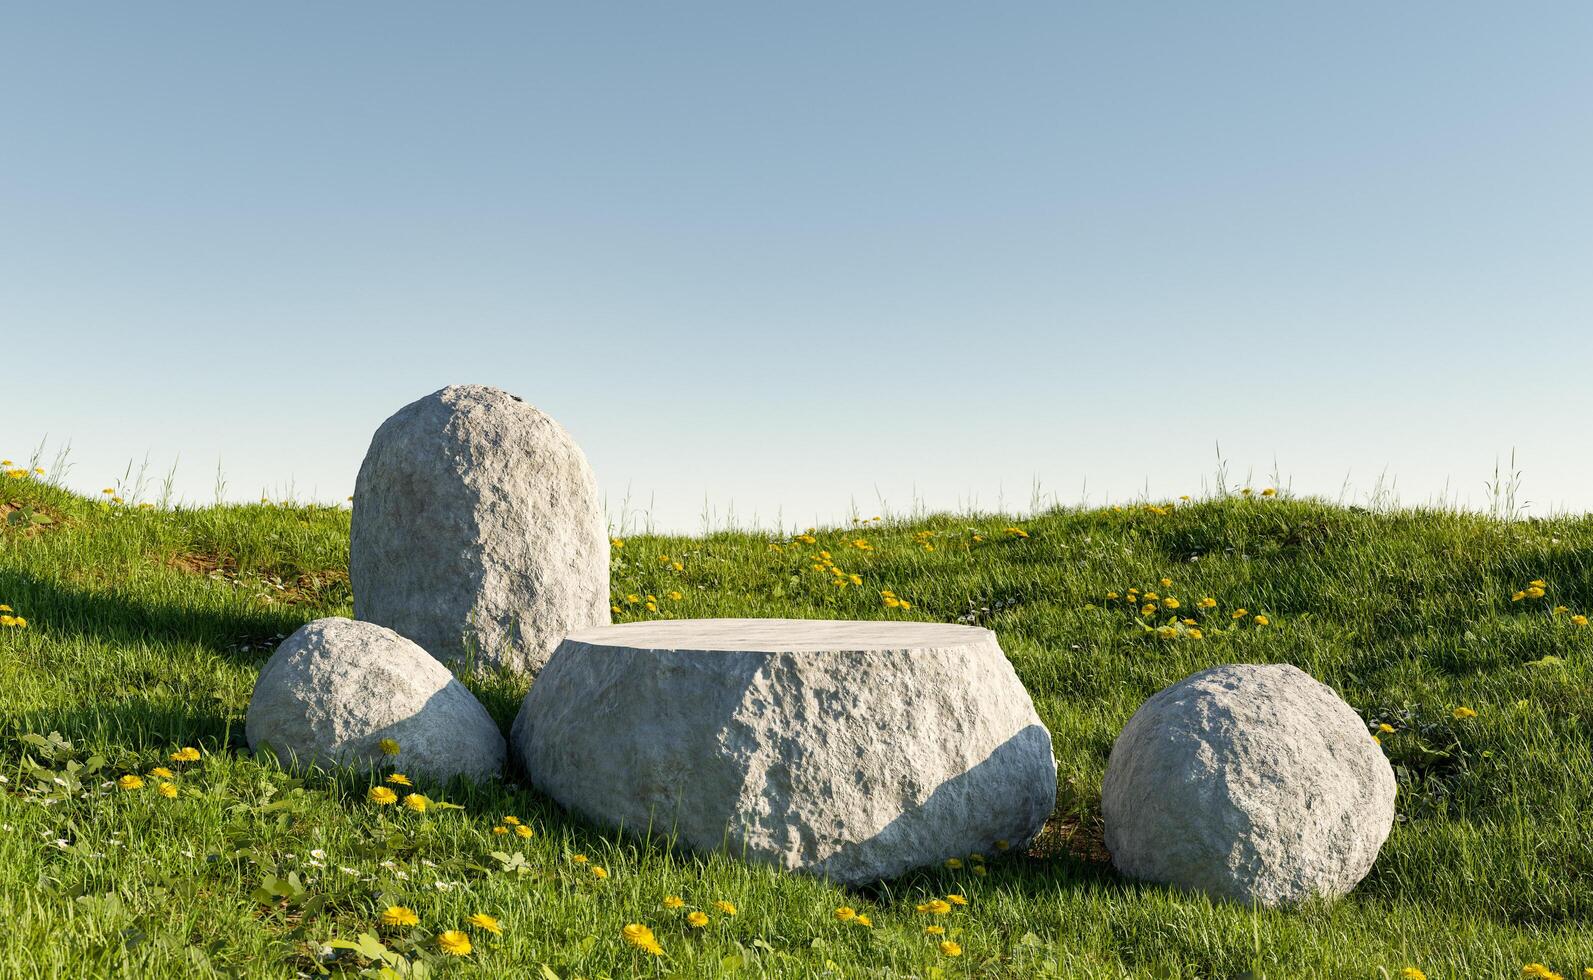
[337, 687]
[1249, 782]
[477, 530]
[851, 750]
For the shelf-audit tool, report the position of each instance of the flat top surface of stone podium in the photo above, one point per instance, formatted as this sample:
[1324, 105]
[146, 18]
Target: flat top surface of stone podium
[781, 635]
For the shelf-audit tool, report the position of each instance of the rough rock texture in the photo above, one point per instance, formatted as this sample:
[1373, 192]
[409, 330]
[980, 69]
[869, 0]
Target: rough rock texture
[1250, 782]
[478, 532]
[851, 750]
[337, 687]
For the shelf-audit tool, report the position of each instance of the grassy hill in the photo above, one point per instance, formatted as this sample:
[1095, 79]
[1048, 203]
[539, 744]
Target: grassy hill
[145, 629]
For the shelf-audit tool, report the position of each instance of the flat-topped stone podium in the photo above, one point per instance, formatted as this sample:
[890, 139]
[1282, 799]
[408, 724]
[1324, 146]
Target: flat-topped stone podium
[852, 750]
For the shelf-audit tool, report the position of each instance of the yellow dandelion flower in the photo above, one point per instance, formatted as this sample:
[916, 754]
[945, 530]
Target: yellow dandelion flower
[954, 863]
[1462, 713]
[1386, 728]
[1411, 973]
[725, 907]
[130, 782]
[617, 542]
[399, 779]
[615, 609]
[168, 790]
[1269, 492]
[935, 907]
[1518, 596]
[511, 821]
[652, 606]
[500, 830]
[1166, 582]
[979, 870]
[1148, 609]
[454, 943]
[642, 938]
[1561, 609]
[950, 948]
[1539, 971]
[1579, 620]
[1171, 603]
[1535, 592]
[523, 832]
[400, 915]
[416, 802]
[1208, 603]
[388, 746]
[957, 899]
[1152, 596]
[673, 901]
[185, 754]
[697, 920]
[674, 596]
[934, 930]
[863, 921]
[599, 872]
[1262, 620]
[578, 858]
[381, 796]
[1539, 583]
[845, 914]
[161, 772]
[482, 920]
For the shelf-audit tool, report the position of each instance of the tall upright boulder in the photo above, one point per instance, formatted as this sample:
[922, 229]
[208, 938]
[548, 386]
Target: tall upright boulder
[478, 532]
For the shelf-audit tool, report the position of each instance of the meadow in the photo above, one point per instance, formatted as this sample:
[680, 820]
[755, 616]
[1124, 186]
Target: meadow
[138, 837]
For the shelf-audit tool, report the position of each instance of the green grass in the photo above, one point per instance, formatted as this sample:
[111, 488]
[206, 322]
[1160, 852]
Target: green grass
[146, 629]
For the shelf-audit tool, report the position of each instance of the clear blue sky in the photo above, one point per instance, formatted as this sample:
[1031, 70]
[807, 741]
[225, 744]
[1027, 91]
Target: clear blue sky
[788, 256]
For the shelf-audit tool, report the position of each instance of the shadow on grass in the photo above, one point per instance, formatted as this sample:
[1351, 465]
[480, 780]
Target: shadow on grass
[134, 723]
[111, 617]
